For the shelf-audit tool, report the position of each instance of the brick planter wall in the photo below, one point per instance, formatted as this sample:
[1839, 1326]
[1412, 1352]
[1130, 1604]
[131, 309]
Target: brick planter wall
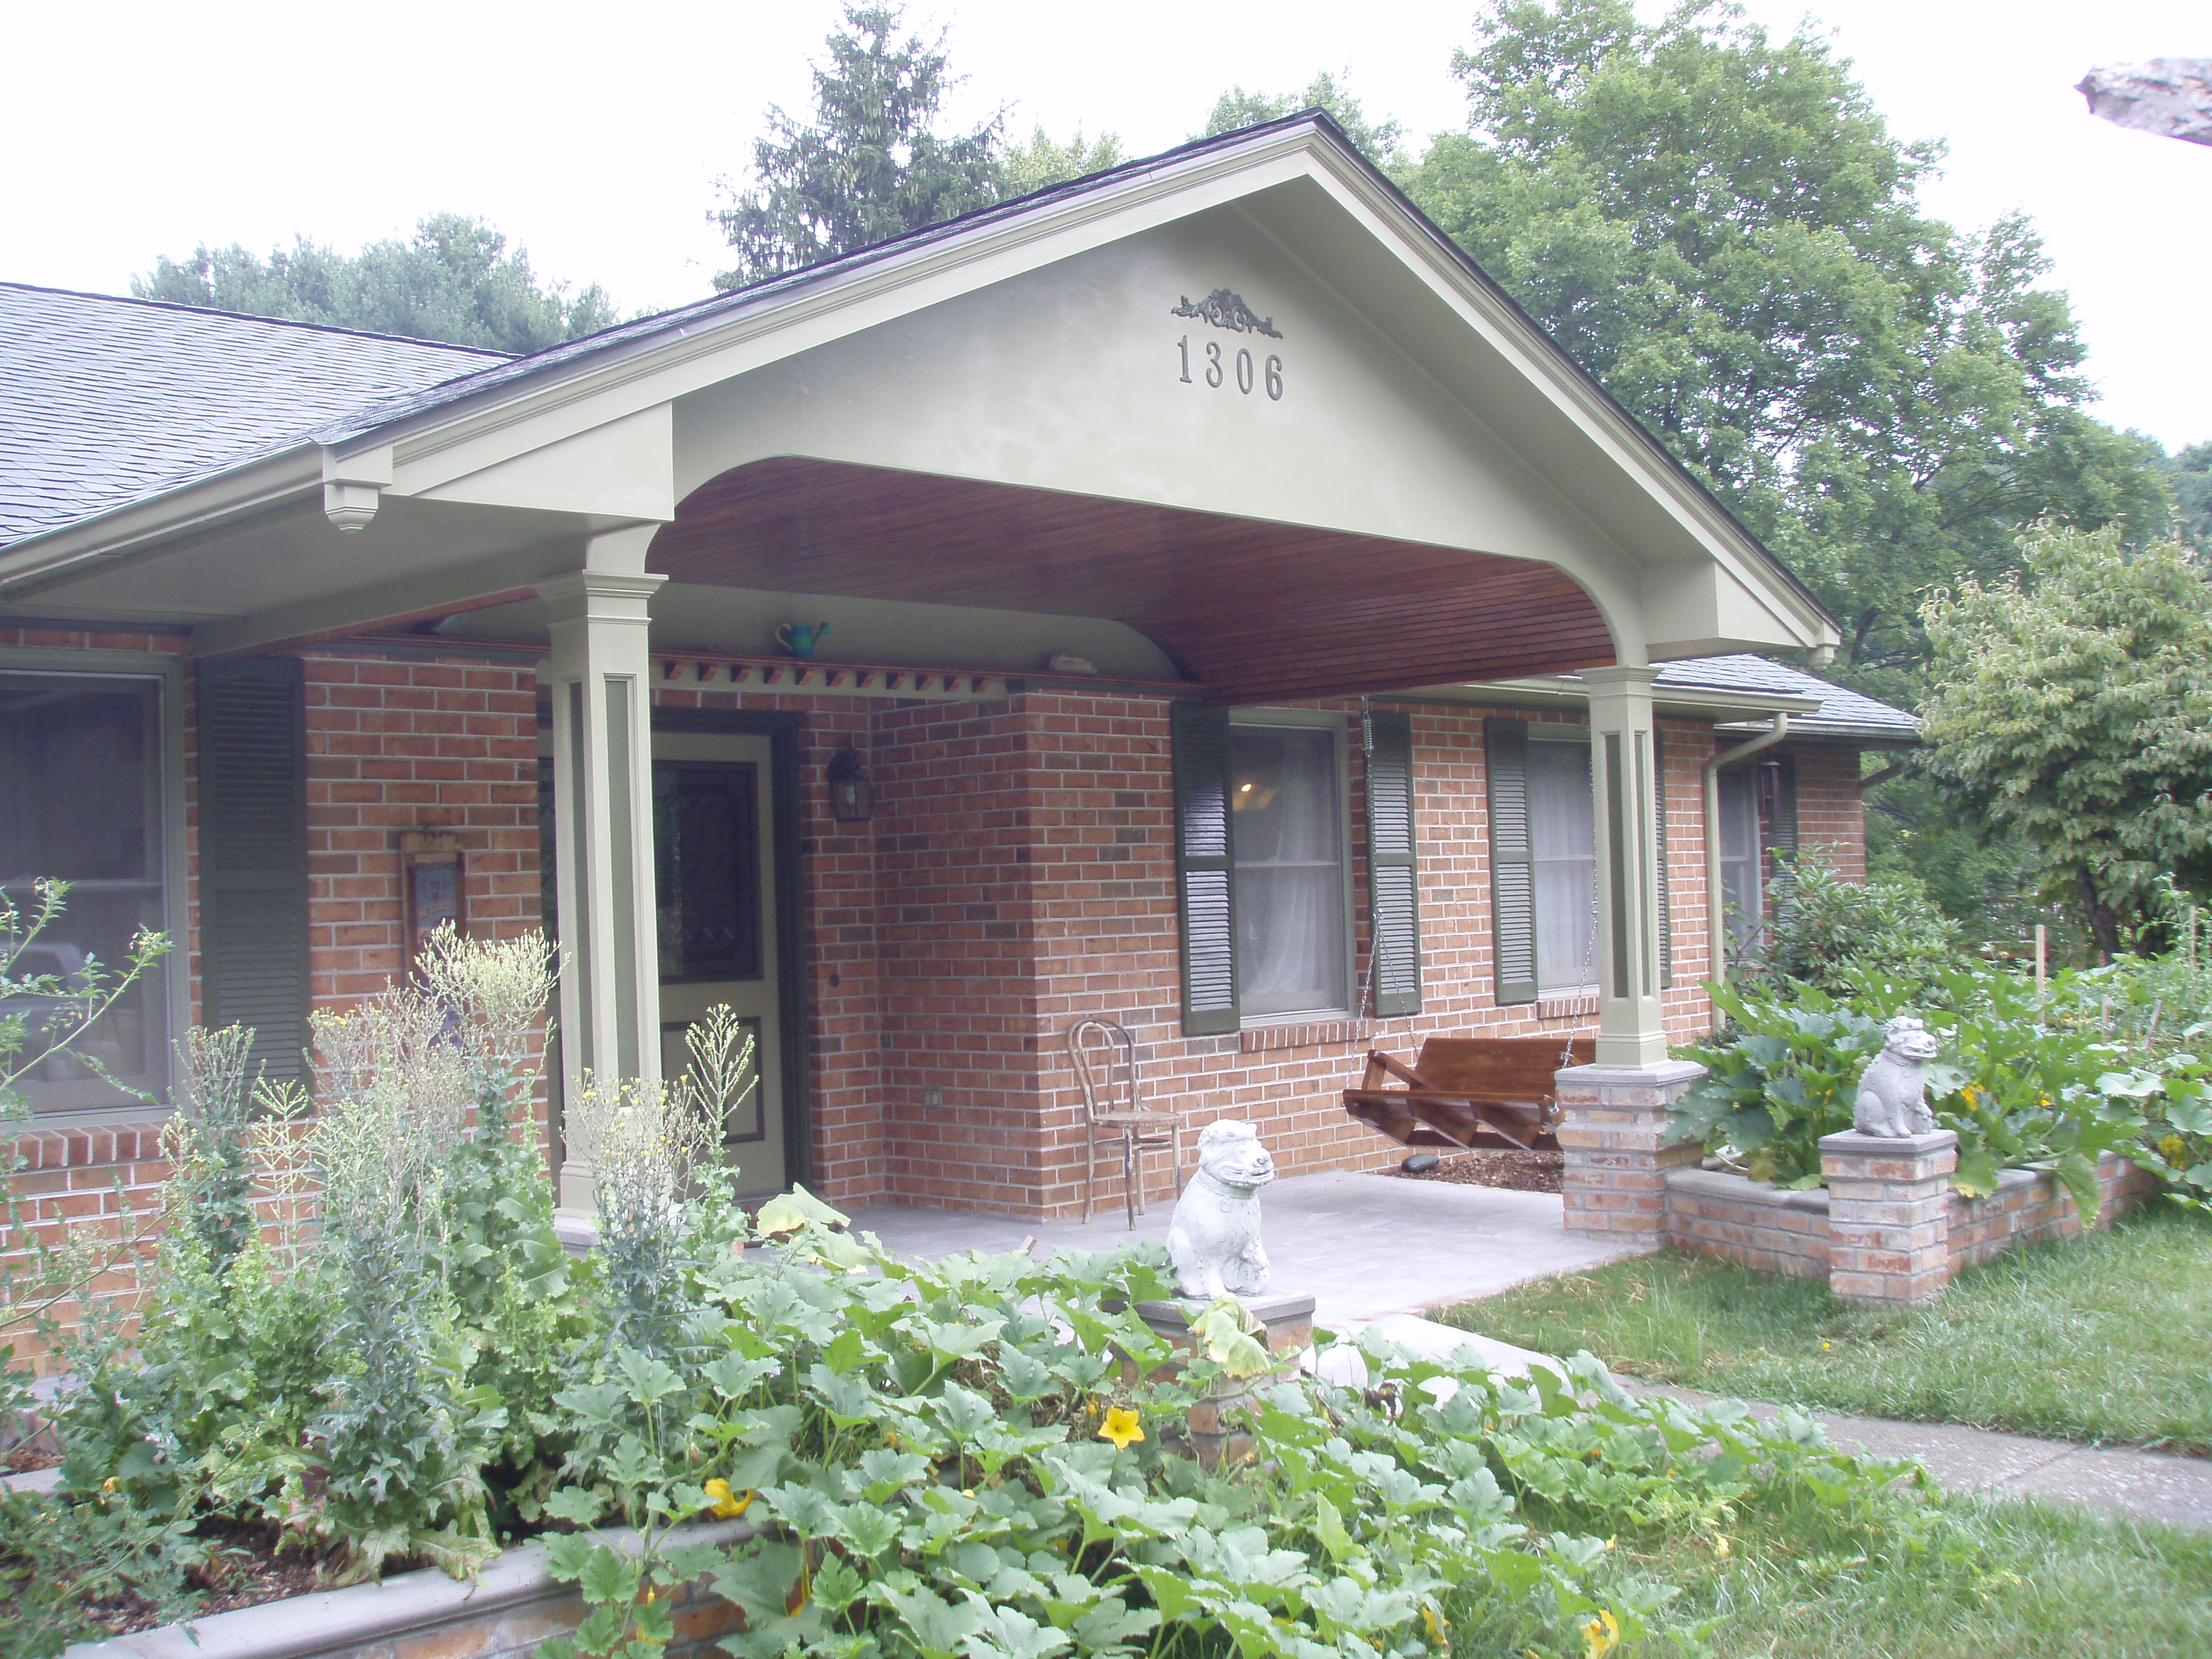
[1773, 1230]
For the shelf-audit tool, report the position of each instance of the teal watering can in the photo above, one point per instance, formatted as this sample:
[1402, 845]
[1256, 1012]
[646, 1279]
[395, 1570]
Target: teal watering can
[798, 639]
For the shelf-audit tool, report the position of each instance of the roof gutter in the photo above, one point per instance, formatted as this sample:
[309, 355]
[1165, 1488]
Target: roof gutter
[37, 562]
[1717, 923]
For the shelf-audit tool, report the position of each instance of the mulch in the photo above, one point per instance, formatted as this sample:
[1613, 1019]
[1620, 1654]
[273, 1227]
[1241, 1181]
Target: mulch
[1520, 1172]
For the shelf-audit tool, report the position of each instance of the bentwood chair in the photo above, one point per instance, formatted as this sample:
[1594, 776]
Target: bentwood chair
[1136, 1128]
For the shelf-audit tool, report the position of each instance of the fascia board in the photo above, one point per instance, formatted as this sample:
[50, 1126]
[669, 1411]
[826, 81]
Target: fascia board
[1556, 691]
[264, 482]
[1889, 737]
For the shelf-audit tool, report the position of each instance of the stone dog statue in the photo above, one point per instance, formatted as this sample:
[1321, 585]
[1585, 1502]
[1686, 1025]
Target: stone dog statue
[1213, 1237]
[1892, 1099]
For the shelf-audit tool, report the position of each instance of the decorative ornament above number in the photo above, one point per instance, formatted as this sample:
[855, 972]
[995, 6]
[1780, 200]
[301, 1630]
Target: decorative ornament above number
[1224, 309]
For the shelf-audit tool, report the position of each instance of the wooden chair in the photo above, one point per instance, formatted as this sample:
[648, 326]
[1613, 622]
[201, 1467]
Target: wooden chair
[1469, 1093]
[1136, 1128]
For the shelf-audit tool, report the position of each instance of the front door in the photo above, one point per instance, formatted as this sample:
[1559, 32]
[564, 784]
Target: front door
[715, 899]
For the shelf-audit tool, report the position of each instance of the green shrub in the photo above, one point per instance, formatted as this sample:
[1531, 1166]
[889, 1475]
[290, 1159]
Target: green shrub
[1833, 934]
[62, 1563]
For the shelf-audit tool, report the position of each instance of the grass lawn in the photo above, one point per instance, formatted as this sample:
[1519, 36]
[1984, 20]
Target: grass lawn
[1980, 1579]
[2103, 1338]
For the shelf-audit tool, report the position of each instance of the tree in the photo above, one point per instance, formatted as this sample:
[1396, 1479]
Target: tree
[870, 167]
[455, 281]
[1378, 140]
[2075, 708]
[2189, 474]
[1722, 229]
[1040, 163]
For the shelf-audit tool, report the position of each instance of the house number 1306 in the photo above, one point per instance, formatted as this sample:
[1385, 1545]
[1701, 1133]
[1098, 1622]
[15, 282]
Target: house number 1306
[1217, 369]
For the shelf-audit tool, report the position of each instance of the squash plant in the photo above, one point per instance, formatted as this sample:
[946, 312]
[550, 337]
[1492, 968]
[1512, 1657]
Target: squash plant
[976, 1459]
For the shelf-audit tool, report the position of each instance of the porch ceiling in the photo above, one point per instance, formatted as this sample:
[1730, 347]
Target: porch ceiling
[1256, 611]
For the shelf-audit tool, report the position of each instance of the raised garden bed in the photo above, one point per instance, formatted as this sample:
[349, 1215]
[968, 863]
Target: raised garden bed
[1775, 1230]
[513, 1607]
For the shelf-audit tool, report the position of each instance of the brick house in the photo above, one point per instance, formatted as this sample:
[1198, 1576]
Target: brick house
[1321, 660]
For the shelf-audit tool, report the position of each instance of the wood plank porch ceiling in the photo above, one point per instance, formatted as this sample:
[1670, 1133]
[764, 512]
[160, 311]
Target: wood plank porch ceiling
[1254, 610]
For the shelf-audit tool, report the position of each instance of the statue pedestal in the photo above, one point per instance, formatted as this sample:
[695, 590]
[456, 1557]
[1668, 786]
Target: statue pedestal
[1889, 1215]
[1216, 1433]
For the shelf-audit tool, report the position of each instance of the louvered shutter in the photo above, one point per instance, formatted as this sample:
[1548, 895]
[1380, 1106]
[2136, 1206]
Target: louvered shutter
[1205, 876]
[252, 747]
[1666, 889]
[1512, 861]
[1785, 826]
[1393, 880]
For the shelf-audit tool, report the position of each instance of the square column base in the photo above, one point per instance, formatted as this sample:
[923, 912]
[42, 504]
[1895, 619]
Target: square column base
[1614, 1132]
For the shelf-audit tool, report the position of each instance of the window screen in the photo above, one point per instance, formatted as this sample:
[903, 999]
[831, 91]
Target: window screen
[81, 801]
[1285, 790]
[1563, 836]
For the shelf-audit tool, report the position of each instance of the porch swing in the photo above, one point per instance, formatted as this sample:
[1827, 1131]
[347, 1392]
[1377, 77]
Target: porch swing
[1466, 1094]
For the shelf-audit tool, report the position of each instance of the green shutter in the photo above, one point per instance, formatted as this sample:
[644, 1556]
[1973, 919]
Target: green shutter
[1512, 861]
[1393, 907]
[1783, 829]
[252, 744]
[1205, 872]
[1666, 892]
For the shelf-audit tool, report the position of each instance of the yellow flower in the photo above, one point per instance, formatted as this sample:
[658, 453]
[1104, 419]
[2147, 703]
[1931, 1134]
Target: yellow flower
[1437, 1626]
[1601, 1636]
[2173, 1149]
[1720, 1547]
[1121, 1427]
[726, 1507]
[108, 1484]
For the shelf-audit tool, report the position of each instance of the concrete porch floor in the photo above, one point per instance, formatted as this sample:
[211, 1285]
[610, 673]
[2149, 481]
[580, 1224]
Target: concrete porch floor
[1362, 1245]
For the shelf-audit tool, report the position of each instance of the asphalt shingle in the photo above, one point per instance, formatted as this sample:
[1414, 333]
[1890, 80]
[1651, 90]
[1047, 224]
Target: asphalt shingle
[105, 401]
[1839, 705]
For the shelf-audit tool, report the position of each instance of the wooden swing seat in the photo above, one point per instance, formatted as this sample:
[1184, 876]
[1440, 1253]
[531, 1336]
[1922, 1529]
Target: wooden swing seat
[1468, 1094]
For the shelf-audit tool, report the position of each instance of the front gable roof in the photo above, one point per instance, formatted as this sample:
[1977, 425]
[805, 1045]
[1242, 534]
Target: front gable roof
[427, 432]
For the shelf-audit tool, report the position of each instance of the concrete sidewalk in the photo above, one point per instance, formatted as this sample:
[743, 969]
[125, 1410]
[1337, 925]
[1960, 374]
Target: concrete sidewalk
[2141, 1485]
[1362, 1245]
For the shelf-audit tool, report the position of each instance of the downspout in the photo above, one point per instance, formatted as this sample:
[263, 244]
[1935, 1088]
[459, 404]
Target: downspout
[1716, 922]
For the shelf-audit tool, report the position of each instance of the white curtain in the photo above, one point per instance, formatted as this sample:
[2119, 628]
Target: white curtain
[1563, 836]
[1289, 869]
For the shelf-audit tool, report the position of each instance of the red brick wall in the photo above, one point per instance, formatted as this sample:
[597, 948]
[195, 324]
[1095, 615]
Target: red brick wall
[1019, 873]
[1830, 812]
[394, 746]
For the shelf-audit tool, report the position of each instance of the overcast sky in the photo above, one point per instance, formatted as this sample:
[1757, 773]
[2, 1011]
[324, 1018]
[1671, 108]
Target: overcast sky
[596, 135]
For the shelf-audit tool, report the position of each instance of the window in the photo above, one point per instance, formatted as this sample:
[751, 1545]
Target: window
[1287, 795]
[1543, 862]
[1263, 892]
[1743, 897]
[1758, 819]
[1563, 841]
[81, 800]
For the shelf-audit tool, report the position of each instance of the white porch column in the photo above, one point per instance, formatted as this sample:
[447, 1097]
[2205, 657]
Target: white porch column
[610, 995]
[1632, 1029]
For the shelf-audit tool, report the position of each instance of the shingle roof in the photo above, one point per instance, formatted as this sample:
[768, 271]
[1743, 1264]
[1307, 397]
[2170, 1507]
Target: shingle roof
[104, 401]
[1840, 707]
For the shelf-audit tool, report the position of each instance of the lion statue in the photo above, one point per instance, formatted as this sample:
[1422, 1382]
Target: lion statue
[1892, 1099]
[1213, 1237]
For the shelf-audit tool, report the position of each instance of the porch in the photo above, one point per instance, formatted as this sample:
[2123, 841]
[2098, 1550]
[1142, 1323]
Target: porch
[1363, 1245]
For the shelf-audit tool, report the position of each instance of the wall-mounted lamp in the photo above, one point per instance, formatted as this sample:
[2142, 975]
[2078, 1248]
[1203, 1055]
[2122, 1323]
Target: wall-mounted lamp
[852, 797]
